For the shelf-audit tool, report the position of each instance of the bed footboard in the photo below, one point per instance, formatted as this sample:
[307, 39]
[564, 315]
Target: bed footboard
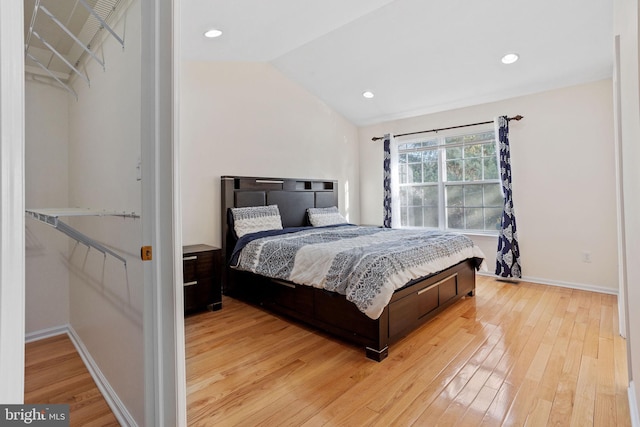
[410, 307]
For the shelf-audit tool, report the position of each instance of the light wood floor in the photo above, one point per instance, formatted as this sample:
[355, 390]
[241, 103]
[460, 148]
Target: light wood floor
[512, 355]
[55, 373]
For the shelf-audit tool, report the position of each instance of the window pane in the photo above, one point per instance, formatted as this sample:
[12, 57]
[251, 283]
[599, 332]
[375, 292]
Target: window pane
[489, 150]
[473, 169]
[492, 218]
[414, 172]
[402, 158]
[415, 157]
[454, 196]
[430, 156]
[414, 216]
[415, 196]
[493, 195]
[490, 168]
[402, 174]
[455, 218]
[403, 196]
[454, 170]
[473, 196]
[473, 151]
[430, 196]
[486, 136]
[474, 219]
[431, 143]
[431, 217]
[431, 171]
[454, 139]
[454, 153]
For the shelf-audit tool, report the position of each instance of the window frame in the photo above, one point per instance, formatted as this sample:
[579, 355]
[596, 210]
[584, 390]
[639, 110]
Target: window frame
[440, 148]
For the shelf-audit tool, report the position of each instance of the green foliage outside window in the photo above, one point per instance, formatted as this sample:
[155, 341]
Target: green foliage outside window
[451, 182]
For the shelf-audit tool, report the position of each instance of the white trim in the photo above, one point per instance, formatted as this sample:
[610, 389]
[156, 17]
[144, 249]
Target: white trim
[181, 366]
[117, 407]
[633, 405]
[110, 396]
[12, 246]
[622, 246]
[558, 283]
[46, 333]
[165, 377]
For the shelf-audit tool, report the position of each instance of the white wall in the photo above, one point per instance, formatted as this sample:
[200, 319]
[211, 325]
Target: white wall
[627, 18]
[46, 186]
[563, 180]
[248, 119]
[106, 299]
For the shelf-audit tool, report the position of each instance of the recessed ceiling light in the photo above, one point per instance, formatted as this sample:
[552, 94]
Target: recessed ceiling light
[212, 33]
[368, 94]
[510, 58]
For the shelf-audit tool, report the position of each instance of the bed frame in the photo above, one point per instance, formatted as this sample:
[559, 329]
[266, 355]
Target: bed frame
[410, 306]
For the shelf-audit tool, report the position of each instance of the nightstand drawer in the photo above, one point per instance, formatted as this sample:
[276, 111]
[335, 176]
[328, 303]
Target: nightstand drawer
[197, 266]
[201, 278]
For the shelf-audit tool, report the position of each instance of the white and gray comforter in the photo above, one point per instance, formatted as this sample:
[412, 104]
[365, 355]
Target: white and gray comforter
[366, 264]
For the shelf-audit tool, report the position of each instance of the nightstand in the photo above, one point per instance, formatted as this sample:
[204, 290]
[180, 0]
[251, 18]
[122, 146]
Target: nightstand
[201, 272]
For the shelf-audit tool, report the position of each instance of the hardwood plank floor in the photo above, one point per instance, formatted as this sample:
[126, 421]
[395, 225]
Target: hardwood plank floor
[517, 355]
[55, 373]
[525, 354]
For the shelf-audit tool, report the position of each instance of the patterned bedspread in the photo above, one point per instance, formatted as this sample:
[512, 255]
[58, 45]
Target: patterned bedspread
[366, 264]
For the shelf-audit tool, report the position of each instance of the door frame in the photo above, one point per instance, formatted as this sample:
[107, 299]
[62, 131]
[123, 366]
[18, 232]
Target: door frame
[165, 374]
[12, 247]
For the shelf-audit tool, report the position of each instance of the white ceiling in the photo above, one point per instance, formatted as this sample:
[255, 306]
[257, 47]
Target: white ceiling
[417, 56]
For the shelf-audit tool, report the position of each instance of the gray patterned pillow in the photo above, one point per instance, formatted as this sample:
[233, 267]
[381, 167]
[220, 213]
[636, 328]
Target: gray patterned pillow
[325, 216]
[256, 218]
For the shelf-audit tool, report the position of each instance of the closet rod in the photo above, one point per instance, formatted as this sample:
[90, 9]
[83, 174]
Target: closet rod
[518, 117]
[50, 217]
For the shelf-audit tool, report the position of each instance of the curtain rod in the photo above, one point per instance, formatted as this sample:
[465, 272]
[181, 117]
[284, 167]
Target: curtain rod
[518, 117]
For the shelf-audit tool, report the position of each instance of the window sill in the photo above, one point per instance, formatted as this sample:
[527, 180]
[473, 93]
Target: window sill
[474, 233]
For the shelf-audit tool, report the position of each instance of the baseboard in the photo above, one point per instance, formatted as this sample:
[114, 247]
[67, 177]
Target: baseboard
[570, 285]
[110, 396]
[633, 405]
[46, 333]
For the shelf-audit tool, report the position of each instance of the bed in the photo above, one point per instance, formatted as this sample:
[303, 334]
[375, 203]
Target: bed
[410, 302]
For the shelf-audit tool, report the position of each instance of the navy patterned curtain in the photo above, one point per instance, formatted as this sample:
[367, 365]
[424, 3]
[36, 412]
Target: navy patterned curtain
[387, 182]
[508, 256]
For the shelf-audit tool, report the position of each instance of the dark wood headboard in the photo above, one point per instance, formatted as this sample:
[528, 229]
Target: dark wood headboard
[293, 197]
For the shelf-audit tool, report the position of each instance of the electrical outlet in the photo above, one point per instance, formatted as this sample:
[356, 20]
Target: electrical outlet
[586, 256]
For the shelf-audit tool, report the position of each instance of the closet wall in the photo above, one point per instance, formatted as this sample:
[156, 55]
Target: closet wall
[85, 153]
[46, 185]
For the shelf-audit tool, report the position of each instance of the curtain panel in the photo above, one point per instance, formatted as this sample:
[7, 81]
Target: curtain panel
[387, 201]
[508, 255]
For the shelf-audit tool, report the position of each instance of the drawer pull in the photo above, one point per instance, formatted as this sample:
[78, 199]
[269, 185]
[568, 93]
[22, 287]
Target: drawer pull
[423, 290]
[195, 282]
[269, 181]
[280, 282]
[190, 258]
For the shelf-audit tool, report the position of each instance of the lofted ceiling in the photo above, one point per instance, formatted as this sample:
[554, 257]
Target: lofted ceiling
[416, 56]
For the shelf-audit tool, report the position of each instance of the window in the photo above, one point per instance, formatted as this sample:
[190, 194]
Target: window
[450, 182]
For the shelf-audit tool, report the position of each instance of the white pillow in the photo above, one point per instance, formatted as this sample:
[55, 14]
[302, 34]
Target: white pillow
[325, 216]
[256, 218]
